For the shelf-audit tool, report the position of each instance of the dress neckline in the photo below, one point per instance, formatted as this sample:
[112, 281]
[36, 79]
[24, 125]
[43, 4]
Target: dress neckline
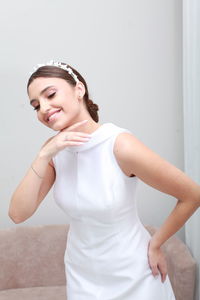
[98, 128]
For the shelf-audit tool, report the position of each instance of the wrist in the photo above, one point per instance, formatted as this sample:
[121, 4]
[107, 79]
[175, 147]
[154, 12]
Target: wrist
[153, 244]
[41, 177]
[43, 157]
[39, 165]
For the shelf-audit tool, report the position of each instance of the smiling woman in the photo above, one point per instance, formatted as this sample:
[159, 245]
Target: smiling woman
[58, 87]
[95, 172]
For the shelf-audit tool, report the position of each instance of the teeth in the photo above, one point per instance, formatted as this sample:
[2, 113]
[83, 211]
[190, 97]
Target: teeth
[53, 115]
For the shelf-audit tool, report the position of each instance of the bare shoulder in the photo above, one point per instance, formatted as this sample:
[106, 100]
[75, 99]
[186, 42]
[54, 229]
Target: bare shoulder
[136, 158]
[123, 143]
[126, 141]
[128, 148]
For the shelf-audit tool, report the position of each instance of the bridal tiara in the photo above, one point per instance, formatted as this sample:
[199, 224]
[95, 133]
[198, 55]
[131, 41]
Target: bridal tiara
[59, 65]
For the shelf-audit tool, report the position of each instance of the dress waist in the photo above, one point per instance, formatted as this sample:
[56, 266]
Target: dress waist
[97, 243]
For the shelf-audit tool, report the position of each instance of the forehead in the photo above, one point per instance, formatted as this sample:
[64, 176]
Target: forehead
[38, 84]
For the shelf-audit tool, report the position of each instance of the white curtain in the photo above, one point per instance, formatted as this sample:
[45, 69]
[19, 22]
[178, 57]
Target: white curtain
[191, 95]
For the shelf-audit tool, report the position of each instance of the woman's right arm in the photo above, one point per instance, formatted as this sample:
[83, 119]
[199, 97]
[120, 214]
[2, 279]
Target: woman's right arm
[41, 175]
[31, 190]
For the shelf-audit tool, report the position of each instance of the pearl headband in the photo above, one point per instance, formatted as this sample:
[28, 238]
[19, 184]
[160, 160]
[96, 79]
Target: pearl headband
[59, 65]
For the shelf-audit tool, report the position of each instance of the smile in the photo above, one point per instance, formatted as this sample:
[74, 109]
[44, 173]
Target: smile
[52, 116]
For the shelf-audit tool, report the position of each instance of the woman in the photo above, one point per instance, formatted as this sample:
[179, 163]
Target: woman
[95, 171]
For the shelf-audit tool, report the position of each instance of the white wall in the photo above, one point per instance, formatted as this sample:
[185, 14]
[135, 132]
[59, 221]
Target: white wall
[131, 57]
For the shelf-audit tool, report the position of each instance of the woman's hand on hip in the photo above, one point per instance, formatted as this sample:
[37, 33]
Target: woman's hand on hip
[157, 261]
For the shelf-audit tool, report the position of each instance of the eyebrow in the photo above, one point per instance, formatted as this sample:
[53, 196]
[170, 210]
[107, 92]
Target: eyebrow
[42, 92]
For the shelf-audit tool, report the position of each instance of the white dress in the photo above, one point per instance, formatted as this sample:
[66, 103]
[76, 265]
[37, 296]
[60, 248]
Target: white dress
[106, 251]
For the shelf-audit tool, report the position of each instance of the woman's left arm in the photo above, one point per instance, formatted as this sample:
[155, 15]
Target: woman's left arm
[165, 177]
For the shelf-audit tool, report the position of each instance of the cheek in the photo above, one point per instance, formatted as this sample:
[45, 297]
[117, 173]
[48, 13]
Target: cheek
[40, 118]
[69, 105]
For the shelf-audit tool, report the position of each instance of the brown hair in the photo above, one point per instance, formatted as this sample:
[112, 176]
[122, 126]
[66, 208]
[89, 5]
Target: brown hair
[52, 71]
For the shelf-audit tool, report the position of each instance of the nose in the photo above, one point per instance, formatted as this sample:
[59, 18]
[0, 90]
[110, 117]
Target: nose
[44, 106]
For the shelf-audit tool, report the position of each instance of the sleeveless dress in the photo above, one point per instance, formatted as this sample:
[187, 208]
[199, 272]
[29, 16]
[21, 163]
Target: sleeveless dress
[106, 250]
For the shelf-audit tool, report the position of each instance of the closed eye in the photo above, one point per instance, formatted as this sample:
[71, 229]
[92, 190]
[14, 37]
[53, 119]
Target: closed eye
[36, 107]
[52, 95]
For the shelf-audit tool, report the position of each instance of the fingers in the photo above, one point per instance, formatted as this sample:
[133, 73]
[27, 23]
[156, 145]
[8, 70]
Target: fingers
[154, 269]
[158, 265]
[77, 139]
[74, 126]
[159, 269]
[163, 277]
[152, 259]
[75, 136]
[163, 271]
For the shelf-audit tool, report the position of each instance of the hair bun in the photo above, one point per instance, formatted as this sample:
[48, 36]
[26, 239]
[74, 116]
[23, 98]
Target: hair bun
[92, 105]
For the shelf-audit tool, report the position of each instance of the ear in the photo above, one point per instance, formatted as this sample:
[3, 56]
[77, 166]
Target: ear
[80, 89]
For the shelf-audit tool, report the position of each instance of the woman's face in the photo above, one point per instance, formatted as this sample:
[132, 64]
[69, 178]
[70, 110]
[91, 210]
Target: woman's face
[56, 102]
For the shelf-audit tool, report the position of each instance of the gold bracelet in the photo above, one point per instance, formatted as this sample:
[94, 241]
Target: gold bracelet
[36, 172]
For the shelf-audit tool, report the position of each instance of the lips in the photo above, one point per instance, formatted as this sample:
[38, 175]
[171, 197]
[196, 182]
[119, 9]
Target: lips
[51, 114]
